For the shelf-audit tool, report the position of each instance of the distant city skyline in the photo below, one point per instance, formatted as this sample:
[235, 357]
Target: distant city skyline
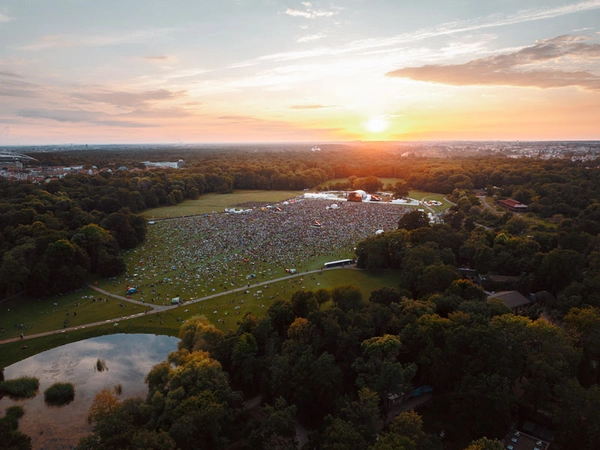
[194, 71]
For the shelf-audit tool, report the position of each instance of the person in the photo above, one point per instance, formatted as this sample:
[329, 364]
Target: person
[22, 336]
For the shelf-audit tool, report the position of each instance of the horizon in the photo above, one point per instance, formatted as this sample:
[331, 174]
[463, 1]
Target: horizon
[285, 71]
[307, 143]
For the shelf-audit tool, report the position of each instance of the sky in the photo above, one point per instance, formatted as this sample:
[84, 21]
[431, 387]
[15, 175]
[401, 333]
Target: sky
[208, 71]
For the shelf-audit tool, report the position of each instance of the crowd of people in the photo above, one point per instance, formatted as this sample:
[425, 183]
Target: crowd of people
[199, 254]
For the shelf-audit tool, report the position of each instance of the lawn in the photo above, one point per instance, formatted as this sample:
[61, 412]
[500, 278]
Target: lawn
[256, 300]
[427, 196]
[210, 203]
[32, 316]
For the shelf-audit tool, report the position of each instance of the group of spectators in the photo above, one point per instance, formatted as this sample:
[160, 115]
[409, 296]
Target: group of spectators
[226, 250]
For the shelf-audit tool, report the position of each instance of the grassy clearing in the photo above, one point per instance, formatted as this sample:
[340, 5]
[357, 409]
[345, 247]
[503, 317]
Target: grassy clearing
[210, 203]
[169, 322]
[20, 388]
[226, 310]
[427, 196]
[59, 394]
[32, 316]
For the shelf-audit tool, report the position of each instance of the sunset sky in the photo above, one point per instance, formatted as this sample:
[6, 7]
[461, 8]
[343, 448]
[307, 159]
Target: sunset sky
[203, 71]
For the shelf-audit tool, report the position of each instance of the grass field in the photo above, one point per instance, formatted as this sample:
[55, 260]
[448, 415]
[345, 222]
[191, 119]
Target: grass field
[427, 196]
[209, 203]
[32, 316]
[257, 301]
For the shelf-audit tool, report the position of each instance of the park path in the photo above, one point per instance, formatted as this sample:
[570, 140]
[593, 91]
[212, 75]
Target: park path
[158, 308]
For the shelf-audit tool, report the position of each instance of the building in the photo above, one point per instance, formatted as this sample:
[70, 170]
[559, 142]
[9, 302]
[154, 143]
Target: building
[513, 299]
[12, 159]
[512, 205]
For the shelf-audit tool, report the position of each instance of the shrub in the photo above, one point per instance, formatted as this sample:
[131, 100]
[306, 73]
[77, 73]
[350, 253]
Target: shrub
[59, 394]
[20, 388]
[101, 365]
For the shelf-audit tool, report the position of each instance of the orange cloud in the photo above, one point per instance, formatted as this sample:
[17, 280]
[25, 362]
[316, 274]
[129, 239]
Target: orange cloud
[309, 106]
[512, 69]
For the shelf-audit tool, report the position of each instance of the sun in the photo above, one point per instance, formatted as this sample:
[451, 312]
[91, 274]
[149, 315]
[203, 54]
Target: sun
[377, 124]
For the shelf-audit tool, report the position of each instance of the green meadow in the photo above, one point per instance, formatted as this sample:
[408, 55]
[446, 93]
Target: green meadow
[209, 203]
[256, 300]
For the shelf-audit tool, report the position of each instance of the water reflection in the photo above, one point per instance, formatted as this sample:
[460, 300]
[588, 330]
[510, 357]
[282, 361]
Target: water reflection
[129, 357]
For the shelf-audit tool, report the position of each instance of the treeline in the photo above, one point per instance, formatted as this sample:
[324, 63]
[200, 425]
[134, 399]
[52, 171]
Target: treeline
[330, 360]
[50, 243]
[549, 187]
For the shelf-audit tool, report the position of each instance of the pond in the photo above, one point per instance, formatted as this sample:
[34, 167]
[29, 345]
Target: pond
[128, 358]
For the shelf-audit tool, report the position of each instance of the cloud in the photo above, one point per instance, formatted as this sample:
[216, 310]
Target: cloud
[59, 40]
[78, 116]
[5, 18]
[445, 29]
[11, 85]
[309, 12]
[8, 73]
[239, 118]
[525, 67]
[157, 58]
[309, 106]
[162, 113]
[129, 99]
[312, 37]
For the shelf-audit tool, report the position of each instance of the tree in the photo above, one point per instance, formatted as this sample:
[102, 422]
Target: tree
[436, 278]
[485, 444]
[322, 296]
[340, 434]
[244, 364]
[347, 298]
[385, 296]
[368, 184]
[400, 190]
[303, 303]
[486, 402]
[363, 413]
[197, 333]
[379, 370]
[278, 430]
[577, 410]
[559, 268]
[10, 437]
[413, 220]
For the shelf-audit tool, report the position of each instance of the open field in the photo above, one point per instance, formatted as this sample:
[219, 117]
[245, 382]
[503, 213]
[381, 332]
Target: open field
[209, 203]
[32, 316]
[427, 196]
[169, 322]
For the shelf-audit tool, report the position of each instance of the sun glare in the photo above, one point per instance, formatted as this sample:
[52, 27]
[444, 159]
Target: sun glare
[377, 124]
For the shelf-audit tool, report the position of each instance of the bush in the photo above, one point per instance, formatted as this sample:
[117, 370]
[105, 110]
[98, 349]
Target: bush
[20, 388]
[59, 394]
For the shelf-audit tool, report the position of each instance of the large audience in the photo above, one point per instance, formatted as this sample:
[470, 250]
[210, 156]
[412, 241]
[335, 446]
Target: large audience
[228, 250]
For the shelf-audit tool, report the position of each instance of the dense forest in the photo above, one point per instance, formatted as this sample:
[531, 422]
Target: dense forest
[330, 360]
